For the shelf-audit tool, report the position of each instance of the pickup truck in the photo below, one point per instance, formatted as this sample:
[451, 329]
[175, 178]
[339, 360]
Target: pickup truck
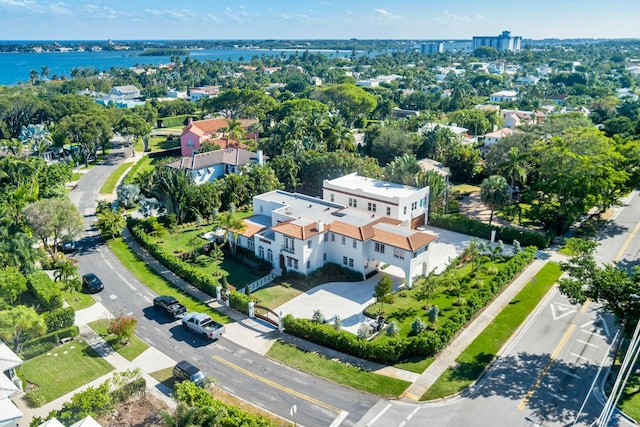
[202, 324]
[169, 305]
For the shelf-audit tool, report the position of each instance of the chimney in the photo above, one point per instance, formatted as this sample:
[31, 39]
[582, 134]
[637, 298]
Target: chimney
[260, 158]
[320, 226]
[494, 128]
[190, 120]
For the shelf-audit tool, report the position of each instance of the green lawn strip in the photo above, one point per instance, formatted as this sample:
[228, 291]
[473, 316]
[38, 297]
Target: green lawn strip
[133, 349]
[630, 400]
[64, 369]
[111, 182]
[337, 372]
[165, 377]
[483, 349]
[84, 300]
[417, 366]
[145, 163]
[159, 284]
[274, 295]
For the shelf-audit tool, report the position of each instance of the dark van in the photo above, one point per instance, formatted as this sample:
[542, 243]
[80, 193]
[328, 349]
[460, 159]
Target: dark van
[185, 371]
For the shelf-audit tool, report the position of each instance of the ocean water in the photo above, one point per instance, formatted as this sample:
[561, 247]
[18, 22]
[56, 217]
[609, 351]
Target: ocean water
[16, 67]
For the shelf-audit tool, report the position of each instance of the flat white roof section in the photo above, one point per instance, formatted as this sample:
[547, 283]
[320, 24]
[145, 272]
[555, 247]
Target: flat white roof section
[374, 187]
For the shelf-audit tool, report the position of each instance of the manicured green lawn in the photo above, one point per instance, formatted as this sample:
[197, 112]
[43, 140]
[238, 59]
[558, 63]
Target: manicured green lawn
[417, 366]
[157, 283]
[337, 372]
[274, 295]
[144, 164]
[64, 369]
[161, 143]
[630, 400]
[164, 376]
[475, 358]
[406, 306]
[111, 182]
[84, 300]
[133, 349]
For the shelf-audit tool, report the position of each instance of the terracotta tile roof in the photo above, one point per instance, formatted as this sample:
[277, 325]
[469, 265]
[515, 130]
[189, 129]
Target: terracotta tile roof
[298, 229]
[210, 126]
[407, 241]
[224, 143]
[364, 232]
[251, 228]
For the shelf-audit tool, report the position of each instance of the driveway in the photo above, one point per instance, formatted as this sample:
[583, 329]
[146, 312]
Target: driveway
[349, 299]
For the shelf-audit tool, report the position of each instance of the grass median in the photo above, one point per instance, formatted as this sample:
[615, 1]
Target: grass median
[337, 372]
[475, 358]
[130, 351]
[157, 283]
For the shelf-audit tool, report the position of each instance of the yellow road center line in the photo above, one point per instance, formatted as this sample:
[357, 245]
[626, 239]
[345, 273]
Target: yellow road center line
[555, 353]
[627, 243]
[586, 305]
[278, 386]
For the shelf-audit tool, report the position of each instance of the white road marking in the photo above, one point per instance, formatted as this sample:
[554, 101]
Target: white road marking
[589, 323]
[559, 310]
[340, 419]
[372, 422]
[578, 356]
[113, 296]
[409, 417]
[606, 328]
[571, 374]
[587, 343]
[558, 397]
[594, 333]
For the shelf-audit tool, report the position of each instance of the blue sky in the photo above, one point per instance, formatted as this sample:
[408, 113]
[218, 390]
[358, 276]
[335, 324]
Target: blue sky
[285, 19]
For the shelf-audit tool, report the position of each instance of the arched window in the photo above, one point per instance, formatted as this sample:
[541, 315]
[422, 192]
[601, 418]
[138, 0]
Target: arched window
[261, 252]
[269, 255]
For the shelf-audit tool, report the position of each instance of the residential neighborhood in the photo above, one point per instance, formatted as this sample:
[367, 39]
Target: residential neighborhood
[365, 228]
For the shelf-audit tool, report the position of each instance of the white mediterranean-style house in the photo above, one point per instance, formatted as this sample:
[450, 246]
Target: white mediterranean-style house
[125, 92]
[495, 136]
[300, 233]
[10, 385]
[504, 96]
[409, 205]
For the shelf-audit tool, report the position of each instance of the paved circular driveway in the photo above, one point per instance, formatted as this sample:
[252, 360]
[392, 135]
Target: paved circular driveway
[349, 299]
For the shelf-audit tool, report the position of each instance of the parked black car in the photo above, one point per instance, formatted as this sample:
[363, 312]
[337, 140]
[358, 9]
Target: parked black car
[91, 283]
[185, 371]
[169, 305]
[67, 247]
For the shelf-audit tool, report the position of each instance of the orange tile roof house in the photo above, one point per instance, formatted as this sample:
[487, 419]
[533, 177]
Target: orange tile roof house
[296, 232]
[197, 132]
[10, 385]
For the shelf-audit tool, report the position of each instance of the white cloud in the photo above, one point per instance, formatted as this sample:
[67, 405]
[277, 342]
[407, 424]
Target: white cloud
[465, 18]
[386, 15]
[17, 3]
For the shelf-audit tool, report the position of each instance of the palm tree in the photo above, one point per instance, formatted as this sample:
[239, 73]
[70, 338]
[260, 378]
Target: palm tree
[231, 223]
[494, 193]
[234, 129]
[515, 168]
[67, 273]
[33, 76]
[255, 129]
[44, 73]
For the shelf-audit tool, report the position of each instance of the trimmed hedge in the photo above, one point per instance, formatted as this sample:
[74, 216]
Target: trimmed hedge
[44, 290]
[239, 301]
[167, 122]
[425, 344]
[188, 272]
[46, 342]
[472, 227]
[59, 318]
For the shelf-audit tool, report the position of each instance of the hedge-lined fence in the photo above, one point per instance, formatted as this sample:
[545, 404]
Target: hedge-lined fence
[425, 344]
[59, 318]
[47, 342]
[472, 227]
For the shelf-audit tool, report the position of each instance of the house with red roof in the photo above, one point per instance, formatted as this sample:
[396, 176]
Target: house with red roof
[296, 232]
[199, 131]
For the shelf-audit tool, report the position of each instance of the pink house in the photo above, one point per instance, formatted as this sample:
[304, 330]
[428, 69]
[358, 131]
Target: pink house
[195, 133]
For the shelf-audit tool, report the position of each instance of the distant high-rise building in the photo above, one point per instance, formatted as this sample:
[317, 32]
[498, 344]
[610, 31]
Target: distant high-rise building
[502, 42]
[427, 48]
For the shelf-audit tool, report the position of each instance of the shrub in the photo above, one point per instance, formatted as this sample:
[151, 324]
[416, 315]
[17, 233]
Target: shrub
[44, 290]
[33, 350]
[392, 329]
[59, 318]
[123, 327]
[462, 224]
[317, 316]
[44, 343]
[239, 301]
[418, 326]
[35, 398]
[363, 331]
